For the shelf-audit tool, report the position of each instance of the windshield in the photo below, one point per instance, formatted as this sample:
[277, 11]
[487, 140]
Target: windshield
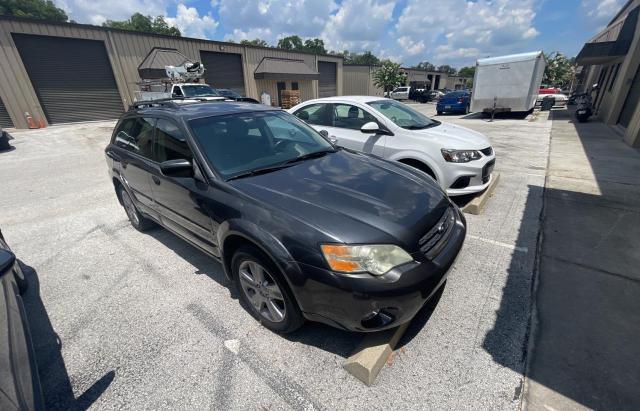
[199, 91]
[241, 144]
[403, 115]
[228, 93]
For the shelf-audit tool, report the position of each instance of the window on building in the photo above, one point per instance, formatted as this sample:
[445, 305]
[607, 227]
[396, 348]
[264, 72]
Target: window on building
[294, 85]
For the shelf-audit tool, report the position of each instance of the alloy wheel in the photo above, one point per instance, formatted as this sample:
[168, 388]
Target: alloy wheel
[262, 291]
[130, 209]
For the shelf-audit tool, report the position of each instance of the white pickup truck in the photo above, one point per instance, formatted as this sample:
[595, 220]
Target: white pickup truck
[180, 90]
[400, 93]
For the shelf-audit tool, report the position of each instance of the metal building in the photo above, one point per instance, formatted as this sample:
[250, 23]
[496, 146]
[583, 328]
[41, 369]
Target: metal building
[64, 72]
[612, 61]
[358, 80]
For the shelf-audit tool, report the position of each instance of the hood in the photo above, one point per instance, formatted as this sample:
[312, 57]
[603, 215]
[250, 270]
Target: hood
[352, 198]
[454, 137]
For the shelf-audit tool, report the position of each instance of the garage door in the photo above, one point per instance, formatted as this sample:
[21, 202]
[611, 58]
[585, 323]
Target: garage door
[631, 102]
[5, 120]
[327, 84]
[223, 70]
[72, 78]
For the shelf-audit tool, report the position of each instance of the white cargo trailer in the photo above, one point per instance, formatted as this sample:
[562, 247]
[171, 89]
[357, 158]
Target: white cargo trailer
[507, 83]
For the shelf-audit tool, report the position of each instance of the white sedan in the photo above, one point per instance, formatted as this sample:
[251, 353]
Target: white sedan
[459, 159]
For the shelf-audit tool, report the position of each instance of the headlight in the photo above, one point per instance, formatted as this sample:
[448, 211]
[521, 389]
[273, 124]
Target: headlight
[376, 259]
[460, 156]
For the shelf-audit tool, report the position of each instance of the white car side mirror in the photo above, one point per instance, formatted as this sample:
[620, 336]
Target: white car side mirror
[370, 128]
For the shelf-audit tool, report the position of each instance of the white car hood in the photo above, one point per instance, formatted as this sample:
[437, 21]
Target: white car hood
[454, 137]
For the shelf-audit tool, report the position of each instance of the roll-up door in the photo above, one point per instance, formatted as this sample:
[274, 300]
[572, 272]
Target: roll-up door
[327, 84]
[223, 70]
[5, 120]
[631, 102]
[72, 77]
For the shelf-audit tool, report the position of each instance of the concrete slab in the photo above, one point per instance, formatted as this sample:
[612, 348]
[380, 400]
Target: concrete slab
[476, 205]
[369, 358]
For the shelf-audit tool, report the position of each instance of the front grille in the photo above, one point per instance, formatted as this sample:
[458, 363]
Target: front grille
[486, 171]
[432, 243]
[487, 151]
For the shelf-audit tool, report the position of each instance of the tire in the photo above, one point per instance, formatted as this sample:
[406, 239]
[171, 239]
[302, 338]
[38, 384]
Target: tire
[466, 110]
[263, 291]
[137, 220]
[439, 113]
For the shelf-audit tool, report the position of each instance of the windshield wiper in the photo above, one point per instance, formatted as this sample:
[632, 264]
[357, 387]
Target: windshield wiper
[257, 171]
[423, 126]
[313, 154]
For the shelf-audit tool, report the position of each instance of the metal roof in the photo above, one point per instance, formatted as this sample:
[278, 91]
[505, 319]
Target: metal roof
[511, 58]
[279, 69]
[153, 66]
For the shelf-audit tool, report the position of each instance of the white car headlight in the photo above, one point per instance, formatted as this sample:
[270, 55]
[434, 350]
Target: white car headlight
[376, 259]
[460, 156]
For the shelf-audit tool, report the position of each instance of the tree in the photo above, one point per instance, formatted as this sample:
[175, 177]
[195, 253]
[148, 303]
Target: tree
[467, 71]
[366, 59]
[255, 42]
[146, 24]
[447, 69]
[425, 65]
[37, 9]
[559, 71]
[290, 43]
[389, 75]
[315, 46]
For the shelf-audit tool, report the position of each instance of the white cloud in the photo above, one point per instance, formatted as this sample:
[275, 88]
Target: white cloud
[97, 12]
[191, 24]
[602, 9]
[411, 47]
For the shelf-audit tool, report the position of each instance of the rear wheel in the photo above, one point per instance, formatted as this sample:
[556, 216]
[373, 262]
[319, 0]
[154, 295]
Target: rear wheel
[263, 291]
[439, 113]
[137, 220]
[466, 109]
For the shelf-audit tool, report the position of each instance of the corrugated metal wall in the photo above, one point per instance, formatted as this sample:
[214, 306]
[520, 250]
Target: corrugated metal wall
[126, 50]
[5, 120]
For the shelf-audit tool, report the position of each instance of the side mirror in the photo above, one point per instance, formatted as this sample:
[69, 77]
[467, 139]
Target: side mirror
[370, 128]
[177, 168]
[324, 133]
[7, 259]
[332, 139]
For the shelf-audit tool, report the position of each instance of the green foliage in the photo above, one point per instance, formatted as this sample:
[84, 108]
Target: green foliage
[146, 24]
[559, 70]
[295, 43]
[445, 68]
[389, 75]
[467, 71]
[37, 9]
[255, 42]
[366, 59]
[425, 65]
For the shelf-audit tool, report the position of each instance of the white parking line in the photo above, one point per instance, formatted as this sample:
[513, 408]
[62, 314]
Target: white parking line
[498, 243]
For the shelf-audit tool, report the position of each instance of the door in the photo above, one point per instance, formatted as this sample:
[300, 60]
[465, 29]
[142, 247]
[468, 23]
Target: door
[631, 102]
[281, 86]
[135, 138]
[327, 85]
[72, 78]
[180, 201]
[224, 70]
[347, 121]
[5, 120]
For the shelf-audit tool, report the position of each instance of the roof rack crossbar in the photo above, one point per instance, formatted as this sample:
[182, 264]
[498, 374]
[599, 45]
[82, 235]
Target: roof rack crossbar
[163, 102]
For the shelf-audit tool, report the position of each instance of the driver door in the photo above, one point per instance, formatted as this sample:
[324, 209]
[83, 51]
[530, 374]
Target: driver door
[347, 121]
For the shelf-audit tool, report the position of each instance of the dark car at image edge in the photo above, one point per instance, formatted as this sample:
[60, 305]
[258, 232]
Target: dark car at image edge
[305, 229]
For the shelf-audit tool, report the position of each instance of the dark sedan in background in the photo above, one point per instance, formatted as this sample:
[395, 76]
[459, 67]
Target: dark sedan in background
[19, 381]
[454, 102]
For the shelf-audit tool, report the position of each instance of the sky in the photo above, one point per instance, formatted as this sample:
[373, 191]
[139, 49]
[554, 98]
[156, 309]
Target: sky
[454, 32]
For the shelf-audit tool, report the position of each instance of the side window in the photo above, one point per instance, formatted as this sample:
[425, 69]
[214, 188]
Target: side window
[351, 117]
[177, 91]
[170, 143]
[318, 114]
[135, 135]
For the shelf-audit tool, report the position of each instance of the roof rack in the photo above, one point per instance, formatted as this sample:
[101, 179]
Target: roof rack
[164, 102]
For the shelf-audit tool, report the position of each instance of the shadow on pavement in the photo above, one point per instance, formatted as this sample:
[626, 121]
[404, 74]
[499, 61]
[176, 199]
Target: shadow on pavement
[587, 295]
[56, 385]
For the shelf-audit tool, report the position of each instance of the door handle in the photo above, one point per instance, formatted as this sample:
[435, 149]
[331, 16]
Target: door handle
[156, 180]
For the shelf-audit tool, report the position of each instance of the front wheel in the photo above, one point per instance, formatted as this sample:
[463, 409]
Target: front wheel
[263, 291]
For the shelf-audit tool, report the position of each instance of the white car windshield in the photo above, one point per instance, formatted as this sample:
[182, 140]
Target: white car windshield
[199, 91]
[403, 115]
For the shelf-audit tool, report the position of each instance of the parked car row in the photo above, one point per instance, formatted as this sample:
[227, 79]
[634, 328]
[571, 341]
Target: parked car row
[310, 219]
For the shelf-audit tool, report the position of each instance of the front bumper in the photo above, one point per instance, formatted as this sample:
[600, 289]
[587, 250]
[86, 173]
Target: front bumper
[349, 301]
[478, 173]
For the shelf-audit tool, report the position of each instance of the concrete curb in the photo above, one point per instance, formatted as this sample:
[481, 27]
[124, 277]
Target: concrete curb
[476, 205]
[374, 351]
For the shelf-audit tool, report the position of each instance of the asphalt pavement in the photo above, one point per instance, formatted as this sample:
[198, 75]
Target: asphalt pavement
[122, 319]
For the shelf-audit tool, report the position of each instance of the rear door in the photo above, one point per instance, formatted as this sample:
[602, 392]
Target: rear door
[134, 137]
[180, 201]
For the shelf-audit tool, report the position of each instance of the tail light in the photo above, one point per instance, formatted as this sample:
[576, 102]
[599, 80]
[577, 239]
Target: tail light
[460, 100]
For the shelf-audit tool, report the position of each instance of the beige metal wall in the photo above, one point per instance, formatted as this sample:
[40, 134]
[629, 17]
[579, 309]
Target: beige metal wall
[126, 50]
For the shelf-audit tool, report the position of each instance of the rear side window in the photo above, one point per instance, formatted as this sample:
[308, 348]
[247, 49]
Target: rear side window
[318, 114]
[136, 135]
[170, 143]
